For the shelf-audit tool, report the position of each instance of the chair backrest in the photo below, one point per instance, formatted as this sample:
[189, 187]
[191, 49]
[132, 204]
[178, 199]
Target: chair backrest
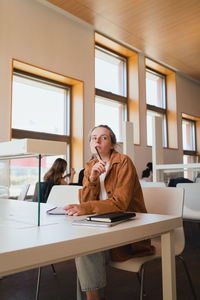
[151, 184]
[61, 195]
[164, 200]
[191, 209]
[23, 193]
[45, 188]
[167, 201]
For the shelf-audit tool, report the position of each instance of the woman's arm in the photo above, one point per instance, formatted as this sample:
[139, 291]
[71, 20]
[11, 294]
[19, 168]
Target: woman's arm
[90, 190]
[63, 182]
[122, 187]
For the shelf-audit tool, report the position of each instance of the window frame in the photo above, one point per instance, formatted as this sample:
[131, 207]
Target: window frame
[155, 108]
[190, 152]
[21, 133]
[112, 96]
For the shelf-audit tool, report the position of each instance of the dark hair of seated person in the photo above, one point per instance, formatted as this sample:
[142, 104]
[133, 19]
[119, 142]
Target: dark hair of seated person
[149, 166]
[146, 173]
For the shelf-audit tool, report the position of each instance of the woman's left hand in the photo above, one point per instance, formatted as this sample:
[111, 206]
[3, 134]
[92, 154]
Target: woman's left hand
[73, 210]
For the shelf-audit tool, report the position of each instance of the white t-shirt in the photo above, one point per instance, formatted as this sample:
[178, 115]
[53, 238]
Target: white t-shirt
[103, 195]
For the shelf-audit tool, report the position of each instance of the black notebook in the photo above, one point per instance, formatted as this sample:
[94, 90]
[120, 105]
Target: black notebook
[111, 217]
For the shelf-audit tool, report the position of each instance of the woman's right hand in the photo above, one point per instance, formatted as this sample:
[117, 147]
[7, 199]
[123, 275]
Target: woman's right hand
[97, 170]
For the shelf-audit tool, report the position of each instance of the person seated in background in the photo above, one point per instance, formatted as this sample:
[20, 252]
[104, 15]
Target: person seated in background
[147, 174]
[80, 177]
[54, 176]
[56, 173]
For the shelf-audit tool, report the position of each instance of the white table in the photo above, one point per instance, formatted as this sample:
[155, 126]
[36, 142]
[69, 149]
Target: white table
[24, 245]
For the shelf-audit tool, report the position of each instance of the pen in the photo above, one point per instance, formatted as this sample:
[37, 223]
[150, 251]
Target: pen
[98, 153]
[51, 209]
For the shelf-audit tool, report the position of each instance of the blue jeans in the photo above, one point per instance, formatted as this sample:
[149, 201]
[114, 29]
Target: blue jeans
[91, 272]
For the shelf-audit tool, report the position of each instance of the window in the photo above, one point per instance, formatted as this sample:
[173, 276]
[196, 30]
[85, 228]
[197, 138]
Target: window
[40, 110]
[111, 89]
[189, 146]
[45, 105]
[189, 143]
[156, 102]
[188, 133]
[4, 182]
[189, 159]
[150, 115]
[110, 71]
[111, 113]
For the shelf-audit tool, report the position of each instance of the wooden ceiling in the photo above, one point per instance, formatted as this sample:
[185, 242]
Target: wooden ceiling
[165, 30]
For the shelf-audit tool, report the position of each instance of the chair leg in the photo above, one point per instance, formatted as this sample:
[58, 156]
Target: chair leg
[140, 277]
[53, 269]
[188, 276]
[141, 282]
[38, 284]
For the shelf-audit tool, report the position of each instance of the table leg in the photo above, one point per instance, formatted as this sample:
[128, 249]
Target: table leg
[168, 266]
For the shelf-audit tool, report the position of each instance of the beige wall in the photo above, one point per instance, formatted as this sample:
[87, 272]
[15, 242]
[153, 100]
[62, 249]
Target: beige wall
[188, 99]
[188, 96]
[38, 35]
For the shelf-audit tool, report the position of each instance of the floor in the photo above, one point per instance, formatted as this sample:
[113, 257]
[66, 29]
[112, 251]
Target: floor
[121, 285]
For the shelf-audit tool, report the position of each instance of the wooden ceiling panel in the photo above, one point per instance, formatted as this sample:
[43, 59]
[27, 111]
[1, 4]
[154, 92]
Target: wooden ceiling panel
[168, 31]
[76, 8]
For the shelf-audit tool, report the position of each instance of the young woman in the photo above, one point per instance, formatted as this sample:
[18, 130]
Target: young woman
[55, 176]
[56, 172]
[110, 184]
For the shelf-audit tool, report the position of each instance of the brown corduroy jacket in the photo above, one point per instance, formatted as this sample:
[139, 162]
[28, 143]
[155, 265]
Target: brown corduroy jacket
[124, 194]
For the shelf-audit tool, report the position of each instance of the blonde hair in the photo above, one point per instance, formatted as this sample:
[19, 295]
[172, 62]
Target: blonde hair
[112, 135]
